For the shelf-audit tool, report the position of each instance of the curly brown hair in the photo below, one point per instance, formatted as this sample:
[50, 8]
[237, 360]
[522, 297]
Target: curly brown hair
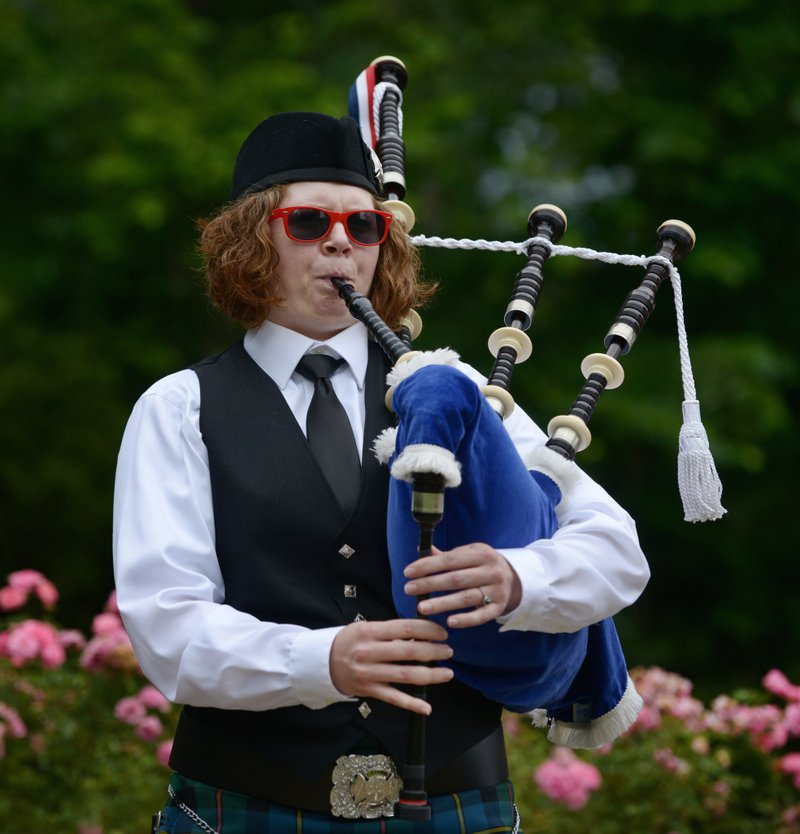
[241, 262]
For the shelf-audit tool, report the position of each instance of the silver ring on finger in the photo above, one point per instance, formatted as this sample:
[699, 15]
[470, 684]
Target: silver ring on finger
[486, 599]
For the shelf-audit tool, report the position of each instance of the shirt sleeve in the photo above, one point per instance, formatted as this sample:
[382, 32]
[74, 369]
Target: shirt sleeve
[591, 568]
[196, 649]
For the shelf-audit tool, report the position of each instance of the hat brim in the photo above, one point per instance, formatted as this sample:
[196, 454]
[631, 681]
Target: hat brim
[311, 175]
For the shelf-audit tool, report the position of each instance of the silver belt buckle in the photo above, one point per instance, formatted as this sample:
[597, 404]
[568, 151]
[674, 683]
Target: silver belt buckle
[364, 787]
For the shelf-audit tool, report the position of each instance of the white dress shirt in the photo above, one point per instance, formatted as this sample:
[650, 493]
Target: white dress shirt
[198, 650]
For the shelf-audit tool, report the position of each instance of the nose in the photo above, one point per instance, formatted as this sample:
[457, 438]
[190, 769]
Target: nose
[337, 238]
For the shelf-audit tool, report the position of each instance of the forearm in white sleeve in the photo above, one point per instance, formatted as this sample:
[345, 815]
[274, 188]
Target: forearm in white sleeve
[170, 591]
[590, 569]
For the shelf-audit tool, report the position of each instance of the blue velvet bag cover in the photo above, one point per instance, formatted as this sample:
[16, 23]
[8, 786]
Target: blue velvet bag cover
[575, 684]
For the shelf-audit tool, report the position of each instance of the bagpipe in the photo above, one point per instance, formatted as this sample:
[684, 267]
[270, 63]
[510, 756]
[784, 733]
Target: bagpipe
[454, 466]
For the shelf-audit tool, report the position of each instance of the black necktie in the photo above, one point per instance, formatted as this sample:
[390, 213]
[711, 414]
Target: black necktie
[329, 432]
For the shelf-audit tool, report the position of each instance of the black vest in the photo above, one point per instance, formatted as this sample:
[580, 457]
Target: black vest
[279, 535]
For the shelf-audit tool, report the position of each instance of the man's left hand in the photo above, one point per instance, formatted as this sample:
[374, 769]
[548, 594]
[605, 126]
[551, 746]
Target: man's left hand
[474, 577]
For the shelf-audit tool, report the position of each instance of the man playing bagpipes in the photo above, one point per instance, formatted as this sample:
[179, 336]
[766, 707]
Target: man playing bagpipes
[250, 542]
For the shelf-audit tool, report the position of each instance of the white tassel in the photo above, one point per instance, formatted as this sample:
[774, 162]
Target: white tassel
[698, 481]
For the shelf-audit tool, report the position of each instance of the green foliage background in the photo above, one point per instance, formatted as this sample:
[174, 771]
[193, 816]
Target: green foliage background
[119, 123]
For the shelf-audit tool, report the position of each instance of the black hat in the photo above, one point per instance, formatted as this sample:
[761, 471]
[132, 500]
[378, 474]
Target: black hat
[295, 147]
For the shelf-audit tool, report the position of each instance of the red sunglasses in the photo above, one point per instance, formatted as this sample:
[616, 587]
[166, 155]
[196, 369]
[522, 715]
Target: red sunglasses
[307, 224]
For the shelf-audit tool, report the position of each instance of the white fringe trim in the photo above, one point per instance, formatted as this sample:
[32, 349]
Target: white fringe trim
[600, 731]
[425, 457]
[383, 445]
[563, 472]
[402, 370]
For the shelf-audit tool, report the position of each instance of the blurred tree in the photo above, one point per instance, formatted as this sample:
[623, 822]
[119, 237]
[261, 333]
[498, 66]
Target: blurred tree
[119, 125]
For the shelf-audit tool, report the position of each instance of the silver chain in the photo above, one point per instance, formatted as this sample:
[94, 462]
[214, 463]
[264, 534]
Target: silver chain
[516, 820]
[195, 818]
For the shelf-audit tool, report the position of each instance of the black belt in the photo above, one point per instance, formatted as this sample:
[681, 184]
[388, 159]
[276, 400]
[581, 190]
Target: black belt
[239, 768]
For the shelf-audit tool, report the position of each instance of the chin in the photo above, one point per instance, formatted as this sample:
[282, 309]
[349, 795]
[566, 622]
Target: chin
[327, 328]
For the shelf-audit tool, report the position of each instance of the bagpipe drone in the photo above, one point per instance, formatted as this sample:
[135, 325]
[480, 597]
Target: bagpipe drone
[450, 439]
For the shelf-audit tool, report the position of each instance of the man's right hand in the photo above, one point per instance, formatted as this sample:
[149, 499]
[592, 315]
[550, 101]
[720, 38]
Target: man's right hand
[368, 658]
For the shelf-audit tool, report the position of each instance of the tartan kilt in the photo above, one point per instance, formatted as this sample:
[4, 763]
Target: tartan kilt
[481, 811]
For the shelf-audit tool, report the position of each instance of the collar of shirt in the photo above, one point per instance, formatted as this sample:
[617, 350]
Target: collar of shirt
[277, 350]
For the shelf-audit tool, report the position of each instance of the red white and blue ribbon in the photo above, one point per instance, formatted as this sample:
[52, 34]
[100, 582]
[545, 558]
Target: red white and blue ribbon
[361, 106]
[364, 105]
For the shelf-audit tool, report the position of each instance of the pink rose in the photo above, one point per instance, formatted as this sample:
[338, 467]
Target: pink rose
[149, 728]
[23, 644]
[47, 593]
[111, 650]
[111, 603]
[649, 718]
[510, 724]
[791, 815]
[774, 738]
[21, 584]
[130, 710]
[721, 715]
[71, 638]
[107, 623]
[53, 653]
[791, 718]
[790, 764]
[656, 685]
[778, 684]
[12, 598]
[163, 752]
[686, 709]
[566, 779]
[31, 639]
[670, 762]
[762, 718]
[26, 580]
[153, 699]
[10, 717]
[10, 724]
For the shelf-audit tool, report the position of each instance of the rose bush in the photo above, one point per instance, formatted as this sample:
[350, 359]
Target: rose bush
[83, 738]
[683, 768]
[84, 743]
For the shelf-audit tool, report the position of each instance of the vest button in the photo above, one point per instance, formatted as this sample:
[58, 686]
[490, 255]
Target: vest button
[364, 709]
[346, 551]
[350, 591]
